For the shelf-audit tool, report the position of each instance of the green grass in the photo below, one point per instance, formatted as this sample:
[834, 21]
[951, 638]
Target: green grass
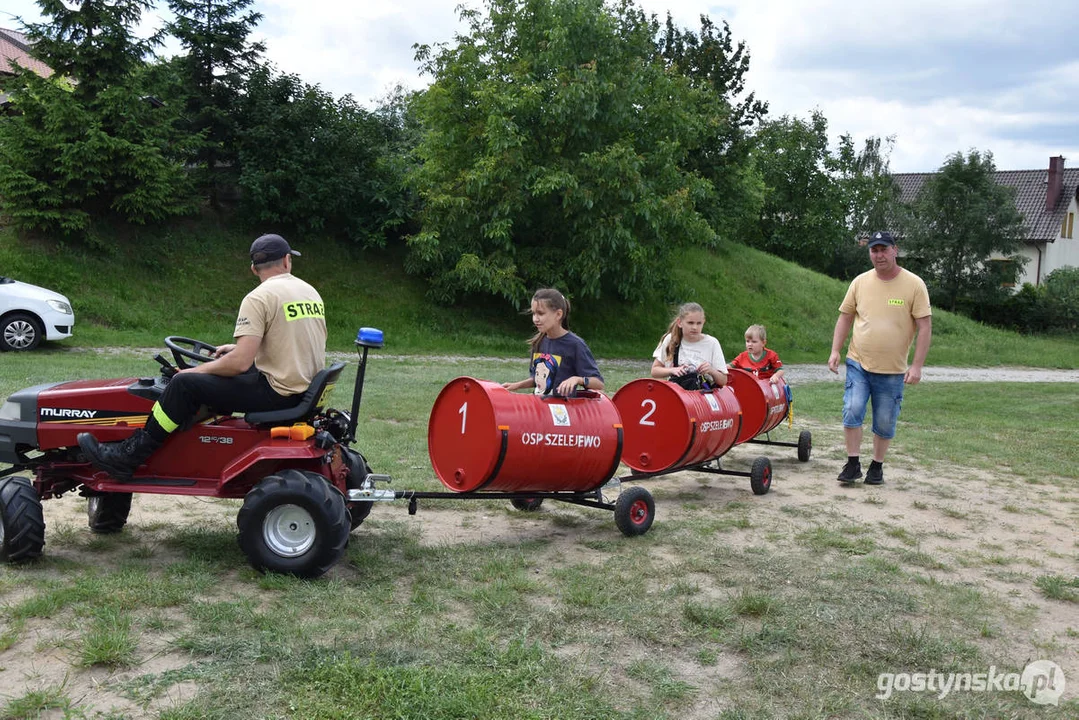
[189, 280]
[717, 612]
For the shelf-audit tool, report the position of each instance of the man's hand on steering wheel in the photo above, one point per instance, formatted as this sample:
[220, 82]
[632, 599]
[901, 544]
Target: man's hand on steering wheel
[185, 349]
[223, 349]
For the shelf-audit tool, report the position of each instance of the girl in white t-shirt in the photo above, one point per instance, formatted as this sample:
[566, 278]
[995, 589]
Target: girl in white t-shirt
[685, 349]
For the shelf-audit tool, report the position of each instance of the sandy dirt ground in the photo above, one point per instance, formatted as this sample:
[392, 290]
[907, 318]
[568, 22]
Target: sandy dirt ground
[995, 533]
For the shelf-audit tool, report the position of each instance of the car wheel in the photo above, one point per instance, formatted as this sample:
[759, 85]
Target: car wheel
[20, 331]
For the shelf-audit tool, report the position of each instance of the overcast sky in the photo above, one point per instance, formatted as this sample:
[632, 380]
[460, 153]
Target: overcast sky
[939, 75]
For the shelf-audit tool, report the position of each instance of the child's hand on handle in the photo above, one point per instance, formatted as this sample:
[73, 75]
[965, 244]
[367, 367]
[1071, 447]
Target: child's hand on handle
[569, 386]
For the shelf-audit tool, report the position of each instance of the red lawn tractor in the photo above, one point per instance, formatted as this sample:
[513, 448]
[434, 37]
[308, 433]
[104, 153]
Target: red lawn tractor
[293, 468]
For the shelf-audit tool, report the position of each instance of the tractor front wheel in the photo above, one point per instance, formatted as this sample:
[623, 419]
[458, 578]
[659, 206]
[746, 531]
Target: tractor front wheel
[22, 522]
[107, 512]
[294, 522]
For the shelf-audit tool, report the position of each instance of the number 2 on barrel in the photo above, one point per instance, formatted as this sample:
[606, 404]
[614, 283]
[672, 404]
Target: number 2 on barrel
[649, 403]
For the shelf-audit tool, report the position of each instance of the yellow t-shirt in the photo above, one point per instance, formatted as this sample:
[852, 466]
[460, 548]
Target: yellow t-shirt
[884, 313]
[289, 316]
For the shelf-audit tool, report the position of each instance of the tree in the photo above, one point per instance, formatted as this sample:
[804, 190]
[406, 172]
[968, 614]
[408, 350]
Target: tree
[710, 60]
[804, 217]
[870, 200]
[555, 154]
[86, 143]
[961, 219]
[215, 69]
[312, 162]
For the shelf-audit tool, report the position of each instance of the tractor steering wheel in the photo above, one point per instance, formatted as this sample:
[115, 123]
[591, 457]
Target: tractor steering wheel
[184, 349]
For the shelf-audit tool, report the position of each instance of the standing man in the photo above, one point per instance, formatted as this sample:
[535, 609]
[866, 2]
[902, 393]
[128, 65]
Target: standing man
[886, 306]
[280, 347]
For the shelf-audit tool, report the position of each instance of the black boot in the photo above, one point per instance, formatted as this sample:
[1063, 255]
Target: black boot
[119, 459]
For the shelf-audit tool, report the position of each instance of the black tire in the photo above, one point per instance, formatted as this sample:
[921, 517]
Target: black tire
[634, 511]
[358, 470]
[531, 504]
[760, 476]
[294, 522]
[20, 332]
[805, 445]
[107, 512]
[22, 522]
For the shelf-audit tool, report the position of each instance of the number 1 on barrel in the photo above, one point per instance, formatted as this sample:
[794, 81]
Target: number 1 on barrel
[463, 412]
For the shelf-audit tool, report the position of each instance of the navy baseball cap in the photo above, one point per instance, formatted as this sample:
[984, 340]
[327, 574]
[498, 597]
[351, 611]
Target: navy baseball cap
[270, 247]
[881, 238]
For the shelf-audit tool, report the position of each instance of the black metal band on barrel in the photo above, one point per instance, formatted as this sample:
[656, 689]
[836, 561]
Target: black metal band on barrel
[501, 458]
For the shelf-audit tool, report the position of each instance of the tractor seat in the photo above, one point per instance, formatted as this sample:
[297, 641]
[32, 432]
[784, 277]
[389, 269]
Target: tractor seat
[314, 399]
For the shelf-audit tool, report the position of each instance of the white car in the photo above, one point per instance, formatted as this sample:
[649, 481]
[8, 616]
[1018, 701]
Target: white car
[30, 314]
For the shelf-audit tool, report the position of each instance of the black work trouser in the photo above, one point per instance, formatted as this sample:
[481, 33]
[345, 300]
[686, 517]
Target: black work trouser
[187, 392]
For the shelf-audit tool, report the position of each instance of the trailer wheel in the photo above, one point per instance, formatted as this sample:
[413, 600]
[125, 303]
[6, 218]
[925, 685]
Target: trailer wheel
[294, 523]
[531, 504]
[22, 522]
[358, 470]
[805, 445]
[107, 513]
[760, 476]
[634, 511]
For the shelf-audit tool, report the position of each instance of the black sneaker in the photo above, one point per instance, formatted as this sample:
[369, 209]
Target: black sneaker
[875, 474]
[851, 471]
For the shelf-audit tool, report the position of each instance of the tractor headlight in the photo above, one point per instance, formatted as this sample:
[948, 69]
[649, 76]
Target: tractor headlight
[59, 306]
[11, 411]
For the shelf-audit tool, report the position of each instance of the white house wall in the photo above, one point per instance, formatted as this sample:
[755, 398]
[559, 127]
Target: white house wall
[1065, 251]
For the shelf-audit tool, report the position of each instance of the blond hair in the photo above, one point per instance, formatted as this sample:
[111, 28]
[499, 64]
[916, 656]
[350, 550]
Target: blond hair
[758, 331]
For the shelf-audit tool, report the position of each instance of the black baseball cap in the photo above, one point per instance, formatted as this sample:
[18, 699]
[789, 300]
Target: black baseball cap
[881, 238]
[270, 247]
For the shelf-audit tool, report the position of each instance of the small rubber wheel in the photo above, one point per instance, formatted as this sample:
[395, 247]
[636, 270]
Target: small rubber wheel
[760, 476]
[22, 522]
[531, 504]
[634, 511]
[294, 522]
[107, 513]
[805, 445]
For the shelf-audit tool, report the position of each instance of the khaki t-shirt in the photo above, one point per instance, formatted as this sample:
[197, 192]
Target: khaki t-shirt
[884, 313]
[288, 314]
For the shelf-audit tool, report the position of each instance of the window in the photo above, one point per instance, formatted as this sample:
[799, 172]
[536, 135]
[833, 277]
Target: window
[1071, 224]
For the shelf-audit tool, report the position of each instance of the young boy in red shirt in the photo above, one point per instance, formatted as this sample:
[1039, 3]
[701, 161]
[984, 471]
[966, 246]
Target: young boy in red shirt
[758, 359]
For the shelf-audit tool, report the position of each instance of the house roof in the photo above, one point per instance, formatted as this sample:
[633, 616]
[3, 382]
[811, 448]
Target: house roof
[15, 46]
[1030, 187]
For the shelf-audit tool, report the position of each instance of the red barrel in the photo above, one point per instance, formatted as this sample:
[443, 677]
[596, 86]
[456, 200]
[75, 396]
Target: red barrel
[764, 405]
[483, 436]
[666, 426]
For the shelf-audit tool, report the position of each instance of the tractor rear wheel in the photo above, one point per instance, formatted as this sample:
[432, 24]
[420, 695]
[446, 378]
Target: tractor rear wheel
[294, 522]
[22, 522]
[107, 512]
[358, 470]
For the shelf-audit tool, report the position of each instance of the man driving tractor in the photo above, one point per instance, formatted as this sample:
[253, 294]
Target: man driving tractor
[280, 347]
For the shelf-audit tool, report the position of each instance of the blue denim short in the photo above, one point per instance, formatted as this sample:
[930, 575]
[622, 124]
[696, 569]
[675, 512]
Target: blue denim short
[884, 389]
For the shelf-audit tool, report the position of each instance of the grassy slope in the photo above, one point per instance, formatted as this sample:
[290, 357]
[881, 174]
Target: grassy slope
[189, 281]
